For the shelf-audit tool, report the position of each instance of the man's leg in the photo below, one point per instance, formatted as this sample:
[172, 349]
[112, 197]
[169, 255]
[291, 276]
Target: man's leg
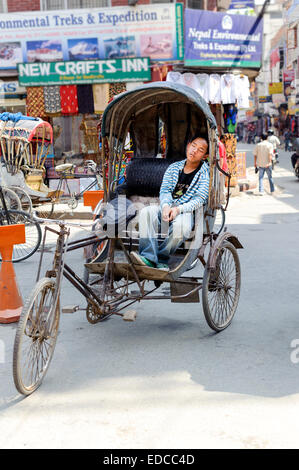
[269, 174]
[179, 230]
[261, 176]
[149, 221]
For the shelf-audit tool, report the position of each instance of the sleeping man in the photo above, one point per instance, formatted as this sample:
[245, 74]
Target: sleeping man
[185, 187]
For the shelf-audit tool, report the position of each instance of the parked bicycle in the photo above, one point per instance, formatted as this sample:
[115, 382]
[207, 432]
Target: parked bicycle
[33, 232]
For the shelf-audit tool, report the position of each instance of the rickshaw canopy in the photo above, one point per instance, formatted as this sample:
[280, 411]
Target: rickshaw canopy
[183, 112]
[25, 128]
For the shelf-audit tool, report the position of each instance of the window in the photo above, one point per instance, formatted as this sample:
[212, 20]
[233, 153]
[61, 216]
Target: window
[71, 4]
[196, 4]
[163, 1]
[3, 6]
[88, 3]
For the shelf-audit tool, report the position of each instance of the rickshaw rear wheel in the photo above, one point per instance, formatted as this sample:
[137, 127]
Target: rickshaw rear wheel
[36, 337]
[221, 288]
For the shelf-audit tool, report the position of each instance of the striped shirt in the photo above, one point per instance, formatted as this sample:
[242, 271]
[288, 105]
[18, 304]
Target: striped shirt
[197, 193]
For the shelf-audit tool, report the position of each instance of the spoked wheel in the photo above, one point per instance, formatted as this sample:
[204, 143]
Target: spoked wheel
[221, 288]
[33, 234]
[72, 202]
[12, 199]
[36, 337]
[25, 199]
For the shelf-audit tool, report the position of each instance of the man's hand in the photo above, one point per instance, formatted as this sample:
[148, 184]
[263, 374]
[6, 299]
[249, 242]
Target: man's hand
[165, 213]
[174, 212]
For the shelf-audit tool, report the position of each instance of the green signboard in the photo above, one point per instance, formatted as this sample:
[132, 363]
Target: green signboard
[84, 71]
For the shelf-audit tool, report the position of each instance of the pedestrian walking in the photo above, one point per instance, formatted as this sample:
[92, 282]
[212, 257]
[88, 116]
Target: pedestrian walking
[287, 138]
[263, 153]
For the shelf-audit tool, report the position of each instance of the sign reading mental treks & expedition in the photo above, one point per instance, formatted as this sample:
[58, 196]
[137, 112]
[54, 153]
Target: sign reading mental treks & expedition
[222, 40]
[154, 31]
[84, 71]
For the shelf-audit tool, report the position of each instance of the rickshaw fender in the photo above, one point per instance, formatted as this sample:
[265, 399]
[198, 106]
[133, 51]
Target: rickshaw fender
[224, 237]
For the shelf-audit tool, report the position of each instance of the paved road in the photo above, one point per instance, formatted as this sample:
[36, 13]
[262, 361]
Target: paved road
[166, 380]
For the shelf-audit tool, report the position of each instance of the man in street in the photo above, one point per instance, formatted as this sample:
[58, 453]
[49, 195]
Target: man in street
[275, 142]
[263, 153]
[185, 187]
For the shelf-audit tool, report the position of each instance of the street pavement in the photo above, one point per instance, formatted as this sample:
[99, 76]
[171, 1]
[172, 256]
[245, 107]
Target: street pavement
[167, 380]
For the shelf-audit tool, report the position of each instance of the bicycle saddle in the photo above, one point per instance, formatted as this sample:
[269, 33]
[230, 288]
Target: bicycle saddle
[64, 167]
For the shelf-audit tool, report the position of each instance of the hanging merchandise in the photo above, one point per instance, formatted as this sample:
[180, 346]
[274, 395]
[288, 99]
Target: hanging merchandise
[190, 80]
[174, 77]
[230, 117]
[242, 91]
[69, 100]
[116, 88]
[85, 99]
[228, 92]
[203, 89]
[35, 102]
[52, 99]
[100, 97]
[215, 88]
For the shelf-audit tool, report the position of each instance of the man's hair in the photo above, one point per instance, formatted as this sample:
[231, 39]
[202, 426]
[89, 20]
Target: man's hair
[264, 136]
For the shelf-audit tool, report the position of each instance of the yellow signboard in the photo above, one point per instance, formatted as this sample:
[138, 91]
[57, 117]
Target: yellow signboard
[275, 88]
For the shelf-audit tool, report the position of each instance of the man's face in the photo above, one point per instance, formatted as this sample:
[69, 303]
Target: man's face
[197, 150]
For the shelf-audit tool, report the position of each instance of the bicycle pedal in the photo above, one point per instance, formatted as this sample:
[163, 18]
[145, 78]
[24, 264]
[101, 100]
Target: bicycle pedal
[70, 309]
[130, 315]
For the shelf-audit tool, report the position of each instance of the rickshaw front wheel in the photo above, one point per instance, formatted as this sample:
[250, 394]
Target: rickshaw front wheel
[36, 337]
[221, 288]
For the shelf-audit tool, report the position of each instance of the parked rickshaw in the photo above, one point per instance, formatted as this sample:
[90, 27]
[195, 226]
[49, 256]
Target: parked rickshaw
[119, 283]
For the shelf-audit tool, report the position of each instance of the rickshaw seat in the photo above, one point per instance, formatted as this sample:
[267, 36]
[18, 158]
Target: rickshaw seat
[64, 167]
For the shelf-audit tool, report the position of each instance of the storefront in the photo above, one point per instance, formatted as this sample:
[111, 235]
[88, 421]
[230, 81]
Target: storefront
[75, 63]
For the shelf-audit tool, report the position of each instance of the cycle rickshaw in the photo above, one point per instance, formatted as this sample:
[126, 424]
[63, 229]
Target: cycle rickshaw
[119, 282]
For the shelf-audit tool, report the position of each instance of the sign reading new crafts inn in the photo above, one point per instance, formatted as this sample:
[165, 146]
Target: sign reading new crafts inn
[85, 71]
[222, 40]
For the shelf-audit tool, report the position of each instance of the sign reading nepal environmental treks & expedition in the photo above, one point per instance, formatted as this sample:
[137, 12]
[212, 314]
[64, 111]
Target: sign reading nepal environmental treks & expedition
[222, 40]
[85, 71]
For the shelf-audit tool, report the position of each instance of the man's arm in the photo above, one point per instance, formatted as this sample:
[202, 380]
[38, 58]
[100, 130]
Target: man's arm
[165, 195]
[199, 196]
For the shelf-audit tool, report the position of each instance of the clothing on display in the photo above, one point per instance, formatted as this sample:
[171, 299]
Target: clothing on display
[35, 102]
[174, 77]
[85, 99]
[100, 96]
[228, 91]
[203, 89]
[215, 88]
[52, 99]
[190, 80]
[116, 88]
[230, 112]
[242, 91]
[69, 100]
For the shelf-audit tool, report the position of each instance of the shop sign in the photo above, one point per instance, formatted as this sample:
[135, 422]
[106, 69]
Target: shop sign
[85, 71]
[288, 78]
[215, 39]
[265, 99]
[11, 89]
[154, 31]
[275, 88]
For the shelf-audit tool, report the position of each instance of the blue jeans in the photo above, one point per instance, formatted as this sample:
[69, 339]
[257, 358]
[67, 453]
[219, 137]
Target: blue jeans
[262, 171]
[150, 225]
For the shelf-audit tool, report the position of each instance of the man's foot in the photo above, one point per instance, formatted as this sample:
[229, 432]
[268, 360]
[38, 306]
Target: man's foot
[141, 260]
[163, 266]
[260, 193]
